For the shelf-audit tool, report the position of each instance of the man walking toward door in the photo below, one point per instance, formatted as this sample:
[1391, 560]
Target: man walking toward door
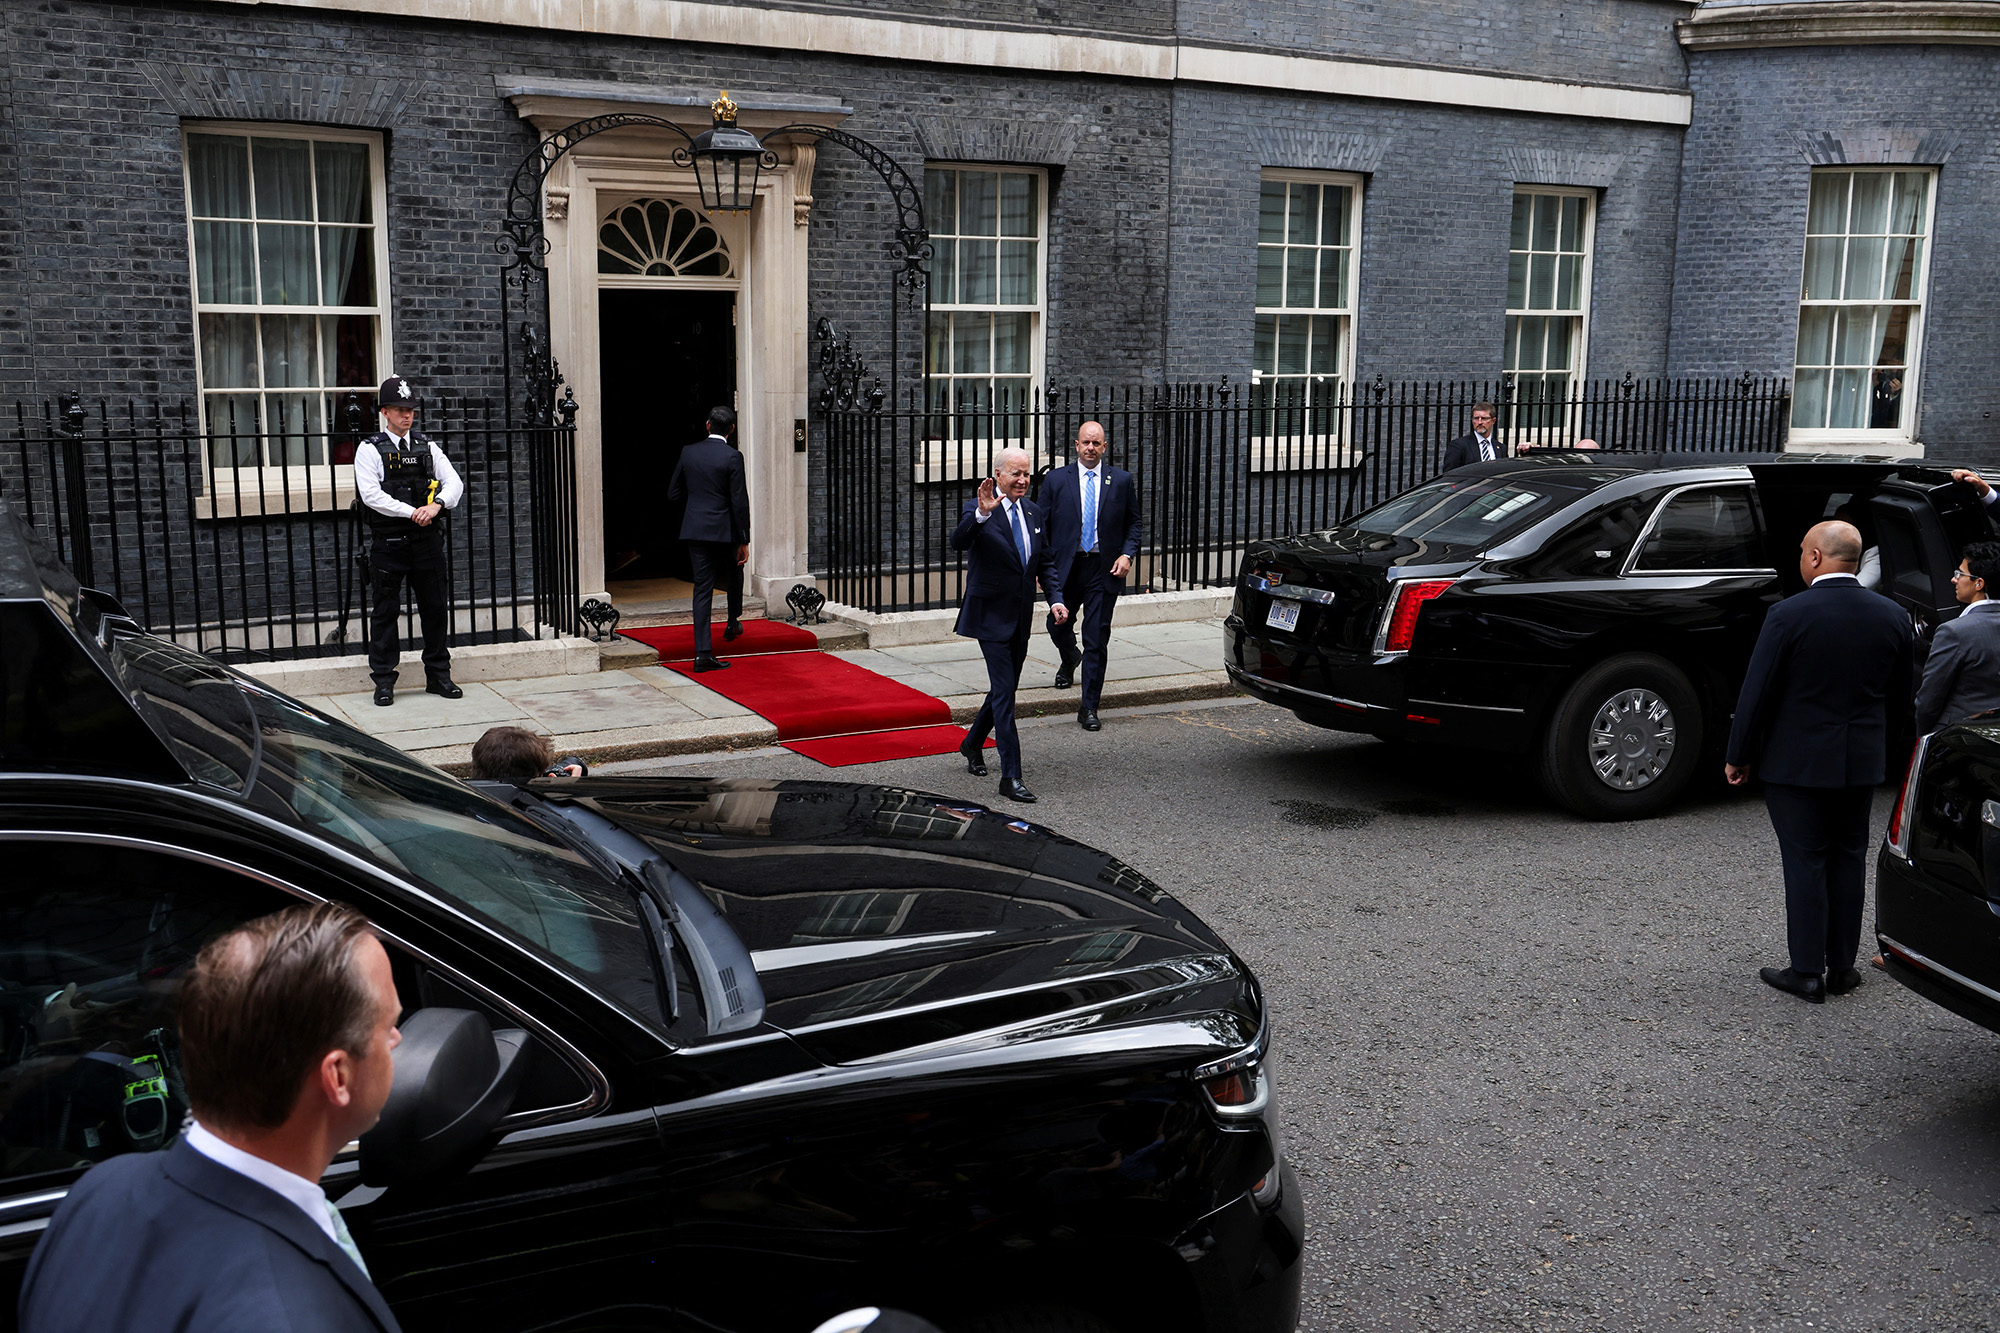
[1094, 535]
[716, 528]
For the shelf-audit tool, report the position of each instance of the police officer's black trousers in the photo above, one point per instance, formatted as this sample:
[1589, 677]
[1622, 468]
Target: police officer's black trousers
[419, 560]
[714, 562]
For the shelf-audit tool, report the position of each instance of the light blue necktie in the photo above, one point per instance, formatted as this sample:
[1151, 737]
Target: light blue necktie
[1090, 511]
[1020, 533]
[345, 1239]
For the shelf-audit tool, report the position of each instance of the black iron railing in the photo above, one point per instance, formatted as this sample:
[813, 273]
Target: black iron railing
[1219, 466]
[248, 546]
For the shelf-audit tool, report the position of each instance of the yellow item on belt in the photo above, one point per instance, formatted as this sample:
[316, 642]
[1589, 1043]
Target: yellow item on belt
[432, 494]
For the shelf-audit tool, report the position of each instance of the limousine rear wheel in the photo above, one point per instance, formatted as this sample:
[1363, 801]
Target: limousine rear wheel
[1625, 739]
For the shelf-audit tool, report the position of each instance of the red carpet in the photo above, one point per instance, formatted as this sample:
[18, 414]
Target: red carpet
[872, 747]
[675, 643]
[814, 694]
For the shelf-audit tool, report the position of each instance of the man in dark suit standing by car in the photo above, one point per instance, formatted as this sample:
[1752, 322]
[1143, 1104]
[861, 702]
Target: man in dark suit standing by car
[1962, 673]
[716, 528]
[1004, 536]
[1480, 446]
[1094, 535]
[1829, 677]
[286, 1025]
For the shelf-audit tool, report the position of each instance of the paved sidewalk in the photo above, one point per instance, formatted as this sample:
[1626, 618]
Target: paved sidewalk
[648, 711]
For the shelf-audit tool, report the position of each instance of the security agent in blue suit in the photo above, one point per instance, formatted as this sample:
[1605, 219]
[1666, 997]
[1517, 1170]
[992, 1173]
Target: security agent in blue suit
[1094, 532]
[286, 1025]
[1831, 670]
[716, 527]
[1003, 535]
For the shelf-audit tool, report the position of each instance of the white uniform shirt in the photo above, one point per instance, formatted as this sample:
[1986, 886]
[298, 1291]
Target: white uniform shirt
[368, 479]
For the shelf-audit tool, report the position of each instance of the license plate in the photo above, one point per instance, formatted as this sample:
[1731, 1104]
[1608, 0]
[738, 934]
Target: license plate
[1284, 615]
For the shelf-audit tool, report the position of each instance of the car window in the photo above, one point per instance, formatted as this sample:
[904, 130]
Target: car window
[1475, 511]
[470, 849]
[1714, 527]
[1594, 546]
[198, 706]
[95, 940]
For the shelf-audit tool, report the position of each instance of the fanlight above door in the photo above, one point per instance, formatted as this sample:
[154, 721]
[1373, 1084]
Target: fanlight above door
[661, 238]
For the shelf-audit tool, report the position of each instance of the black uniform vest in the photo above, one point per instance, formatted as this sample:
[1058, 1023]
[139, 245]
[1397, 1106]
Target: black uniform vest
[407, 475]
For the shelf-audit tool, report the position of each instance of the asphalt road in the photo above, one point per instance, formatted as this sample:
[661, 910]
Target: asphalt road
[1529, 1075]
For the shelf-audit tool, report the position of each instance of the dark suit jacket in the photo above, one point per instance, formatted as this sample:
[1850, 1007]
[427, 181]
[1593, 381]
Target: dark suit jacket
[172, 1240]
[999, 589]
[1119, 531]
[1962, 674]
[1831, 667]
[710, 478]
[1465, 449]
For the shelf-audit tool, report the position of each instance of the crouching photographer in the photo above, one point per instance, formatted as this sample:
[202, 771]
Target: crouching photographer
[515, 754]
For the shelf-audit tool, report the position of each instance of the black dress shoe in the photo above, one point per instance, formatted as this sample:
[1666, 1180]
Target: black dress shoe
[1087, 719]
[384, 695]
[708, 662]
[1841, 982]
[1805, 985]
[1012, 789]
[443, 686]
[1066, 673]
[733, 630]
[975, 758]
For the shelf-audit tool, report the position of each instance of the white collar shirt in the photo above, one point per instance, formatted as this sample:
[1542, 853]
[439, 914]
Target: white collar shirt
[1983, 604]
[309, 1197]
[1825, 578]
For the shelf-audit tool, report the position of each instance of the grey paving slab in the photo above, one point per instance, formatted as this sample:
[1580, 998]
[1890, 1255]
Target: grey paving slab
[521, 689]
[1137, 666]
[431, 738]
[414, 710]
[955, 651]
[608, 709]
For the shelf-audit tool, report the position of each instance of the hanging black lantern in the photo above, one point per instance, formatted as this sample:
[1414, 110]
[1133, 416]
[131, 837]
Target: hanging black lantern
[727, 161]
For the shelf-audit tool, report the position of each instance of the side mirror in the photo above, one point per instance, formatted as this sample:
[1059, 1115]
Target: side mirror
[455, 1078]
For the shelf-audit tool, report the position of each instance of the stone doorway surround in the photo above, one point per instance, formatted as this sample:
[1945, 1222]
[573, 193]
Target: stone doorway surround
[769, 249]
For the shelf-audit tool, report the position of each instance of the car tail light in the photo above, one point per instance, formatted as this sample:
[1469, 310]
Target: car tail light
[1233, 1091]
[1399, 622]
[1904, 817]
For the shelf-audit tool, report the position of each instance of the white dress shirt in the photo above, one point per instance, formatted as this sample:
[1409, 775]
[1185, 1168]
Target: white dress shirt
[309, 1197]
[368, 479]
[1822, 578]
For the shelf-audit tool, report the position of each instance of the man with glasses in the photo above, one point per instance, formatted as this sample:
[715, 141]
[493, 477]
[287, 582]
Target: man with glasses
[1481, 446]
[1962, 673]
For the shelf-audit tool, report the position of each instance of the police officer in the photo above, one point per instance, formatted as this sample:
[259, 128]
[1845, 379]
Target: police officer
[405, 482]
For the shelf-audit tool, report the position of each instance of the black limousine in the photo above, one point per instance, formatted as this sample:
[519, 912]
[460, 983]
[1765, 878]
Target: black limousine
[1937, 880]
[721, 1054]
[1593, 610]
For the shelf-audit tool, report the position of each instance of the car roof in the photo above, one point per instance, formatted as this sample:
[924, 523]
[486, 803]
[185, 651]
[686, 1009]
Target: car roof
[1587, 469]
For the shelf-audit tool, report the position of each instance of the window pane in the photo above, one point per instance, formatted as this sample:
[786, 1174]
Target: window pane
[1014, 395]
[297, 435]
[1333, 279]
[1816, 336]
[284, 178]
[229, 351]
[1708, 529]
[941, 201]
[976, 277]
[1848, 407]
[1569, 282]
[1018, 212]
[1270, 275]
[1266, 352]
[285, 264]
[1301, 277]
[1560, 332]
[1013, 345]
[1511, 356]
[1339, 209]
[1533, 332]
[1906, 255]
[1325, 345]
[1809, 399]
[1017, 272]
[218, 176]
[347, 265]
[944, 272]
[1271, 213]
[342, 169]
[1826, 214]
[291, 360]
[224, 264]
[1906, 215]
[1524, 205]
[347, 346]
[1542, 282]
[1893, 336]
[1517, 281]
[1546, 209]
[1822, 280]
[1303, 223]
[971, 337]
[1854, 336]
[1886, 412]
[1864, 268]
[939, 335]
[1870, 215]
[979, 196]
[1572, 225]
[1292, 346]
[232, 429]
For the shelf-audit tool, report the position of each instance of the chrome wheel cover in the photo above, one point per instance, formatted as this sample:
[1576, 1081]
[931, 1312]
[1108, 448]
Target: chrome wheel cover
[1631, 740]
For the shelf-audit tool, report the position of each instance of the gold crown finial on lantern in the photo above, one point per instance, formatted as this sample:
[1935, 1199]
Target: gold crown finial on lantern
[723, 109]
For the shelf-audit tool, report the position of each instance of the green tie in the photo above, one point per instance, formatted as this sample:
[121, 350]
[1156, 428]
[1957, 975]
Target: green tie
[345, 1239]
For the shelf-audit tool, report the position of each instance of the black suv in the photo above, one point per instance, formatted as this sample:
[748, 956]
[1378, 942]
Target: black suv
[1594, 610]
[754, 1052]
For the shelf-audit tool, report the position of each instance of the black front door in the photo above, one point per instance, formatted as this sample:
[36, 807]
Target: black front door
[666, 358]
